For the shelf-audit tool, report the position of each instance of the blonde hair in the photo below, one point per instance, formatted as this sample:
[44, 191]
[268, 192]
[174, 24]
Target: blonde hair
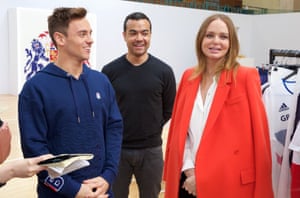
[229, 60]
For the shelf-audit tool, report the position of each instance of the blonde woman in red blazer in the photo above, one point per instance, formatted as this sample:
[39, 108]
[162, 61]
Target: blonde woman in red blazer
[232, 158]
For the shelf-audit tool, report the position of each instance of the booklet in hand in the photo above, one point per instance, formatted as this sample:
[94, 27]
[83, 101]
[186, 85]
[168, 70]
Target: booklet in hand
[65, 163]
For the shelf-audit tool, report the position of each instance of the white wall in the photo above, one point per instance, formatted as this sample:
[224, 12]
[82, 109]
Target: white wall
[274, 31]
[174, 31]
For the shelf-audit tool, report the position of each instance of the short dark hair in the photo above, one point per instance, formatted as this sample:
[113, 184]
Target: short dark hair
[136, 16]
[60, 19]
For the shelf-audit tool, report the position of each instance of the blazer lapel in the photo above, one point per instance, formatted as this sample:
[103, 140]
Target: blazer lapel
[191, 90]
[220, 97]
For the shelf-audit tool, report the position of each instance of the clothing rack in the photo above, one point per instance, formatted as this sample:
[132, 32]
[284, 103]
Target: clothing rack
[282, 52]
[274, 67]
[291, 67]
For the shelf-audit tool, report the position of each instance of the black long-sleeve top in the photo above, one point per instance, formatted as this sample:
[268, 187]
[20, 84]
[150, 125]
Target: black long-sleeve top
[145, 95]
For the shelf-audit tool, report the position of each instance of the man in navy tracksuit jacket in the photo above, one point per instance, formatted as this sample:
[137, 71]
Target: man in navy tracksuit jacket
[69, 108]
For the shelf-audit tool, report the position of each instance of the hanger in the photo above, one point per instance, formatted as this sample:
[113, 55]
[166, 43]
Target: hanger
[294, 69]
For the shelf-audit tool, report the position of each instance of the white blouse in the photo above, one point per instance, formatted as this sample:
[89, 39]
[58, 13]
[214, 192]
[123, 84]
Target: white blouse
[198, 120]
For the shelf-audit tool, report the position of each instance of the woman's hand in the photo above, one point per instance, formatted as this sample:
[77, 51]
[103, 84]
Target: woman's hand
[190, 185]
[190, 181]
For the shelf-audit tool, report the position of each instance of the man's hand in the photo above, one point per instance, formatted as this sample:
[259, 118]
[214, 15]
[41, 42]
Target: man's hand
[93, 188]
[99, 184]
[87, 191]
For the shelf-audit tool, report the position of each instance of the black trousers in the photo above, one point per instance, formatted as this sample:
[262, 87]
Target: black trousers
[146, 165]
[182, 192]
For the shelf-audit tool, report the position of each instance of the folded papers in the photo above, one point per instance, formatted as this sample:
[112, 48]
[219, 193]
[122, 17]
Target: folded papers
[65, 163]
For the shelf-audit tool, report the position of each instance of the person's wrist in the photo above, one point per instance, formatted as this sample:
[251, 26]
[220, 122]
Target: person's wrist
[6, 173]
[189, 172]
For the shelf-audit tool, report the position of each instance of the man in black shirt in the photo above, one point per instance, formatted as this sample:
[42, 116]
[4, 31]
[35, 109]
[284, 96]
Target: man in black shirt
[145, 89]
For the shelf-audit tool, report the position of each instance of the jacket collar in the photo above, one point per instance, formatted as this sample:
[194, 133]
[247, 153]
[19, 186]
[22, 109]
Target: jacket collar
[221, 95]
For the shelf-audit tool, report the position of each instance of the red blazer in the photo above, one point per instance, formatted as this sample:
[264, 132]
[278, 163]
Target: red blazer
[234, 158]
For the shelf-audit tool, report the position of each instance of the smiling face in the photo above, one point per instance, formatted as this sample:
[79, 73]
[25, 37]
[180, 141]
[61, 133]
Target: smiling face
[79, 38]
[77, 42]
[137, 37]
[215, 44]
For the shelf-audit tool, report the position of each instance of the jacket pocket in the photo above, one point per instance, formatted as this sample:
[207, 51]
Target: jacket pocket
[236, 99]
[248, 176]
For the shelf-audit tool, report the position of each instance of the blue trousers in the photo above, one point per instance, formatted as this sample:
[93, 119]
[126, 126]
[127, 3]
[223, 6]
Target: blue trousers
[146, 165]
